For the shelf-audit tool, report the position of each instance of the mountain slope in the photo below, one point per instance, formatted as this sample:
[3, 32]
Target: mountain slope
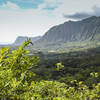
[72, 31]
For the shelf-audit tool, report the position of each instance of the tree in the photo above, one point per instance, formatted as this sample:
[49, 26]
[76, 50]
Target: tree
[15, 70]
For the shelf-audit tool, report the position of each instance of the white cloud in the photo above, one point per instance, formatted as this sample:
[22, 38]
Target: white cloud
[50, 4]
[41, 6]
[52, 0]
[73, 6]
[10, 5]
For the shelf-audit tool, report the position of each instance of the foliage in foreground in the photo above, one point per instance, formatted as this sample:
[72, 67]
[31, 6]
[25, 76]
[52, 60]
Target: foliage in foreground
[16, 80]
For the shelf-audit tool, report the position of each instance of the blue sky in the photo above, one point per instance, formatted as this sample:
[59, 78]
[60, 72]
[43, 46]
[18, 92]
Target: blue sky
[25, 4]
[35, 17]
[33, 4]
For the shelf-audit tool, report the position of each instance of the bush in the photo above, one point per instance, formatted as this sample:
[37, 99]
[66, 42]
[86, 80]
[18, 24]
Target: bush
[16, 80]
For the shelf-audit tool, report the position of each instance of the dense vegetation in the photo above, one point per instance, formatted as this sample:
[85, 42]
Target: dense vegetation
[21, 78]
[78, 65]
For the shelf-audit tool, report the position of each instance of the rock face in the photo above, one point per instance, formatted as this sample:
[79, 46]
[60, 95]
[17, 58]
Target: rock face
[21, 39]
[86, 29]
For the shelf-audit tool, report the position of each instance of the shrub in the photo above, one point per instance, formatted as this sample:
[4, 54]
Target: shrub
[16, 80]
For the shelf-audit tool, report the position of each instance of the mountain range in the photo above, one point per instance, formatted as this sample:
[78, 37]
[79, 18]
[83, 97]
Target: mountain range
[69, 35]
[72, 33]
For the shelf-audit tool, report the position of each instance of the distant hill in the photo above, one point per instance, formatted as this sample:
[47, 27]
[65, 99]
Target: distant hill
[19, 40]
[72, 31]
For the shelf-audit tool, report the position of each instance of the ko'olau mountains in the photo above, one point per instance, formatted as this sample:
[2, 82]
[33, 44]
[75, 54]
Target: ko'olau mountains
[71, 35]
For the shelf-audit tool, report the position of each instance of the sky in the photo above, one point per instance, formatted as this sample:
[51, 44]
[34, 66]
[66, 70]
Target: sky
[35, 17]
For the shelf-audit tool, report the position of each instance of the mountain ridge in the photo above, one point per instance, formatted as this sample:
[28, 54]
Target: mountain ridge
[72, 31]
[69, 35]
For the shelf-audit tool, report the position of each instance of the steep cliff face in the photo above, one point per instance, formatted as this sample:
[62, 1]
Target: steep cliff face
[86, 29]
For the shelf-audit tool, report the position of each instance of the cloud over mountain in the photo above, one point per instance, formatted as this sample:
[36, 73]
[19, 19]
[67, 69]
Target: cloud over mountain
[81, 15]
